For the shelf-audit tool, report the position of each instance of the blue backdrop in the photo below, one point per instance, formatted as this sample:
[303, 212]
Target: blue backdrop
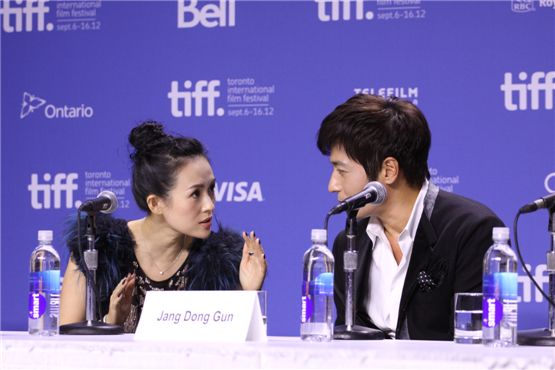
[253, 80]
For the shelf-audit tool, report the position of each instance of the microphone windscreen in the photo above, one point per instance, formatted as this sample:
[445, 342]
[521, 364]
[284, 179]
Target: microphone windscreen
[113, 201]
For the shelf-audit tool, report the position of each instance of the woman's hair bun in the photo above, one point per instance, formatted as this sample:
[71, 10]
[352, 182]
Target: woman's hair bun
[147, 136]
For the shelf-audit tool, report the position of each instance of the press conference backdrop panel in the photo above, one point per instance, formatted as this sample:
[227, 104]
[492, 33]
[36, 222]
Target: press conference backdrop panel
[253, 80]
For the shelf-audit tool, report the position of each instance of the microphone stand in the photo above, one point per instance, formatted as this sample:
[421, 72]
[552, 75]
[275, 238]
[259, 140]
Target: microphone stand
[545, 336]
[91, 326]
[350, 331]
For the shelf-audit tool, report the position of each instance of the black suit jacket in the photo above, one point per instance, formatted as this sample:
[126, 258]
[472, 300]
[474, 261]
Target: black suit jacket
[452, 237]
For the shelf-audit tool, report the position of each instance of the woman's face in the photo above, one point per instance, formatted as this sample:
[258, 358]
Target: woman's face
[189, 206]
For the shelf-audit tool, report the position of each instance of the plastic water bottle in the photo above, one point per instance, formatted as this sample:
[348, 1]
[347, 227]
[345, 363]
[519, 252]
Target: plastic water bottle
[499, 306]
[44, 287]
[317, 290]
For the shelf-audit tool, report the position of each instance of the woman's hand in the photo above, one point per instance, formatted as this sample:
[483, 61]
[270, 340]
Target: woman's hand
[120, 300]
[252, 270]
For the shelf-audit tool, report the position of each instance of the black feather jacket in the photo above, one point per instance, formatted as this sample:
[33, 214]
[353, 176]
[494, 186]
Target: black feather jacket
[212, 264]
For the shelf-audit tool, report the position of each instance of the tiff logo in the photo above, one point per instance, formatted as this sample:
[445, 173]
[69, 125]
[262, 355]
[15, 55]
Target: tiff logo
[14, 16]
[541, 278]
[540, 82]
[185, 102]
[335, 10]
[208, 15]
[42, 193]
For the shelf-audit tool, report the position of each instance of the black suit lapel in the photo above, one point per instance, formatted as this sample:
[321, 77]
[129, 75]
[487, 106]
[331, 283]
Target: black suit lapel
[422, 249]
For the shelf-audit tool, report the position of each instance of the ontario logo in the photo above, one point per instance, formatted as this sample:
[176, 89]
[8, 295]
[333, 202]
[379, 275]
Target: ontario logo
[30, 103]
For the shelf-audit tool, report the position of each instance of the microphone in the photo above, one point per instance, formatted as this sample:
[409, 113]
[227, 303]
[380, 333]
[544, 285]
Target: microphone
[105, 202]
[546, 202]
[373, 193]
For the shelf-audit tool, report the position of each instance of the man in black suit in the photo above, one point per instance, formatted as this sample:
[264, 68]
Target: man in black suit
[418, 248]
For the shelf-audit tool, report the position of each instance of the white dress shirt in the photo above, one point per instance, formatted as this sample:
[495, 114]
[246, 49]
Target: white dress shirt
[386, 276]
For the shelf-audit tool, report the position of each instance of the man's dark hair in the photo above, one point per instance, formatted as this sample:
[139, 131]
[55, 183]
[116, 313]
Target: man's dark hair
[371, 128]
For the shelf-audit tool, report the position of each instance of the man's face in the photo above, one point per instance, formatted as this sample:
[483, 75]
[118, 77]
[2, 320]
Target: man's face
[347, 178]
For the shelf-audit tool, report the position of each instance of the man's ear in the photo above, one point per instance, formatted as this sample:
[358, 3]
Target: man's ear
[390, 170]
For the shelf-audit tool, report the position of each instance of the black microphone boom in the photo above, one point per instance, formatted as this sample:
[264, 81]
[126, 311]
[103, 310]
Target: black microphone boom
[105, 202]
[373, 193]
[546, 202]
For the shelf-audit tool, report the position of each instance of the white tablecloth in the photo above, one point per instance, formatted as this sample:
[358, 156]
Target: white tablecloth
[22, 351]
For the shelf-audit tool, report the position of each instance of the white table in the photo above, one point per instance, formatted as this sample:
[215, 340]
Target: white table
[18, 350]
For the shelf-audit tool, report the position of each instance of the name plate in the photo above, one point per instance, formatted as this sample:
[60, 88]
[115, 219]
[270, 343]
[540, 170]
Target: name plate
[208, 316]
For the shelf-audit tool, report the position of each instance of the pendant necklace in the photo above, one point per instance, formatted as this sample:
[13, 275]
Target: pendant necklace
[163, 271]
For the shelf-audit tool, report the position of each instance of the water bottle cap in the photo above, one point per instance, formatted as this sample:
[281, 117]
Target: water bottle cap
[45, 235]
[319, 235]
[500, 233]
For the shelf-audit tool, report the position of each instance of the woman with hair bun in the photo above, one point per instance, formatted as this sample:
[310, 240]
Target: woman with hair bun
[172, 247]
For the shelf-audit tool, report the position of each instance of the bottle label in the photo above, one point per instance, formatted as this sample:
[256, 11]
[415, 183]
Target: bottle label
[509, 297]
[508, 282]
[322, 285]
[45, 281]
[510, 311]
[492, 312]
[498, 287]
[307, 308]
[37, 305]
[41, 285]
